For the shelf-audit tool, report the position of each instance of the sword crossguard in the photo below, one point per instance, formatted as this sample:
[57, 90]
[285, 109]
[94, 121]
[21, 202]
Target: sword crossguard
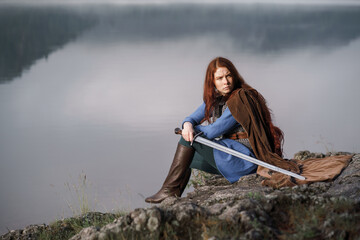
[196, 135]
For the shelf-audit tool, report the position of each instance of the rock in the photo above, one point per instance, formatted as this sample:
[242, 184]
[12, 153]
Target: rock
[302, 155]
[185, 212]
[217, 208]
[139, 219]
[169, 201]
[244, 210]
[230, 214]
[347, 183]
[90, 233]
[246, 219]
[154, 219]
[254, 235]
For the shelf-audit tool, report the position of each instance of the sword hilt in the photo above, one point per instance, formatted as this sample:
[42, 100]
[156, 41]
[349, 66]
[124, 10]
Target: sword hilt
[179, 131]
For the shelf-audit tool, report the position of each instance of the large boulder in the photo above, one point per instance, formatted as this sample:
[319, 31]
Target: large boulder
[243, 210]
[247, 210]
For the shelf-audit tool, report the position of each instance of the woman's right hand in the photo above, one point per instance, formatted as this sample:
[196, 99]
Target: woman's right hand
[188, 132]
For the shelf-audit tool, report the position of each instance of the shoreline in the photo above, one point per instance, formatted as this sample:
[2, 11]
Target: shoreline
[220, 210]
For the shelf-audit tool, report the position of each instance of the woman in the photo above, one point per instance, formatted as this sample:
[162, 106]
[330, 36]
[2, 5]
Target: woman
[235, 115]
[214, 119]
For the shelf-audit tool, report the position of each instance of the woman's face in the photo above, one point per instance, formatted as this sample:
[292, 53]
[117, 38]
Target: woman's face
[223, 81]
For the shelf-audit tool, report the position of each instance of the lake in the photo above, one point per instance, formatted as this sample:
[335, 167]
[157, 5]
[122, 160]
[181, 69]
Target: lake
[97, 90]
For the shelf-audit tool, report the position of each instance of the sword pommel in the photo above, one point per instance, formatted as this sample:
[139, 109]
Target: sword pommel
[178, 131]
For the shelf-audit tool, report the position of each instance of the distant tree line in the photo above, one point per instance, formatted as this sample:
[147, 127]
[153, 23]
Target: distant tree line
[32, 33]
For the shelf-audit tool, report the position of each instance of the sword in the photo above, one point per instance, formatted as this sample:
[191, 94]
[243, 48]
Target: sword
[219, 147]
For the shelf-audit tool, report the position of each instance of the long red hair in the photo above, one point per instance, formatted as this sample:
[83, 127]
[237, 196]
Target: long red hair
[276, 135]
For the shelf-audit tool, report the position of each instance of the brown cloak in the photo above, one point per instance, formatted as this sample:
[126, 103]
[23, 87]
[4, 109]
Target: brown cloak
[245, 108]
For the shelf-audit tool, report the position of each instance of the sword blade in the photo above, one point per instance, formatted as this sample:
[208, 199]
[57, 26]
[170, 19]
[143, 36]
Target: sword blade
[245, 157]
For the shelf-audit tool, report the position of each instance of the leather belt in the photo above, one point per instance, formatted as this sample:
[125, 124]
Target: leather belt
[238, 135]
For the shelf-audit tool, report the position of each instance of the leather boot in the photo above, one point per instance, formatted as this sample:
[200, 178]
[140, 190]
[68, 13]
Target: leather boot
[177, 177]
[185, 181]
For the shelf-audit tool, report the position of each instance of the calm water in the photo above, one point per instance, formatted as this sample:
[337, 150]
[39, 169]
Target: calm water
[98, 90]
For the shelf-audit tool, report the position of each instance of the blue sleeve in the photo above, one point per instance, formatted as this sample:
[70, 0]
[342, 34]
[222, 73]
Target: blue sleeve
[196, 117]
[222, 125]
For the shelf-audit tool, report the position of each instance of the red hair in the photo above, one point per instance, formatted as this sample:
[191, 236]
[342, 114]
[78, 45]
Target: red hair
[276, 135]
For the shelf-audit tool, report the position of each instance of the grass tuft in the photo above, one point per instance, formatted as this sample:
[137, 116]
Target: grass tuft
[65, 229]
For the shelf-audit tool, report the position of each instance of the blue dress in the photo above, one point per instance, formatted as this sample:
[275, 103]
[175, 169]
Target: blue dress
[231, 167]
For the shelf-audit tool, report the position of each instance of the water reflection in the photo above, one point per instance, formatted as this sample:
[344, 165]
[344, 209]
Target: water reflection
[32, 33]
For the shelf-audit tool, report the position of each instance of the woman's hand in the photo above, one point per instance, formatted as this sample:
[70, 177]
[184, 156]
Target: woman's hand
[188, 132]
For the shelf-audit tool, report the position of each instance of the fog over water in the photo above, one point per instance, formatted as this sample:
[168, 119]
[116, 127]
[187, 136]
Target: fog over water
[98, 90]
